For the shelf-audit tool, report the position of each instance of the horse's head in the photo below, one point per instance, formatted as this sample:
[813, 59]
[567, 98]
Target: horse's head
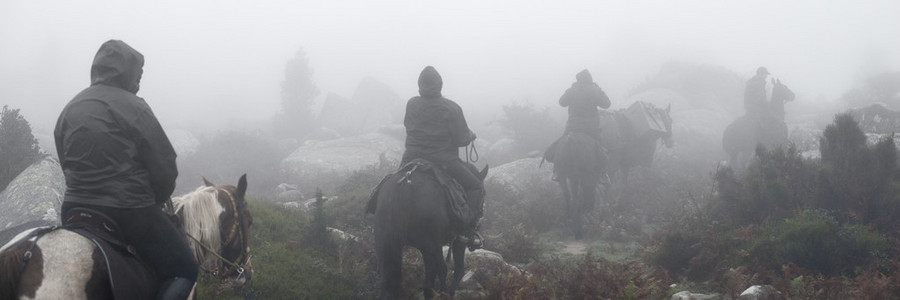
[667, 121]
[231, 260]
[780, 92]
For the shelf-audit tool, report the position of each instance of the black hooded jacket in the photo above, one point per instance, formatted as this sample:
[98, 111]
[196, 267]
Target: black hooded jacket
[112, 149]
[583, 100]
[755, 96]
[435, 126]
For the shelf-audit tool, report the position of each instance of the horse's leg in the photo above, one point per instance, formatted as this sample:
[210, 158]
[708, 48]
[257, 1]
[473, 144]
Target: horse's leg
[435, 268]
[390, 258]
[567, 196]
[590, 193]
[575, 213]
[458, 250]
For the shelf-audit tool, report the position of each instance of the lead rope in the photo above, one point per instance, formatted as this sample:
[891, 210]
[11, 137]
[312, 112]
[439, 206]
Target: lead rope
[471, 153]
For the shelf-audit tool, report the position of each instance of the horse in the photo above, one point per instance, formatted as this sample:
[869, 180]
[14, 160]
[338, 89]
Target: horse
[577, 169]
[631, 136]
[628, 138]
[62, 264]
[412, 208]
[741, 138]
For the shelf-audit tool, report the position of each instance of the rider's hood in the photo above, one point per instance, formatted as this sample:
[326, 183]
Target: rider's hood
[117, 64]
[584, 76]
[430, 83]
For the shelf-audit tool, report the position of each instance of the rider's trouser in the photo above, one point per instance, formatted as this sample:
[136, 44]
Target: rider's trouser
[154, 236]
[474, 187]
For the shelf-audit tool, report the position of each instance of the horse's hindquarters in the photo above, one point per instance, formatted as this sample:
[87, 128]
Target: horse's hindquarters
[66, 266]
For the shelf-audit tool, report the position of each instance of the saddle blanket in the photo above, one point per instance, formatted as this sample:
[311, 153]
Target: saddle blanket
[454, 192]
[129, 276]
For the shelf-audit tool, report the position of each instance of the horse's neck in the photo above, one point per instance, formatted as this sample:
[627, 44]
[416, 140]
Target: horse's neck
[200, 213]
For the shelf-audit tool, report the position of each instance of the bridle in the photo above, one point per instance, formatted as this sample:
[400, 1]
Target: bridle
[237, 231]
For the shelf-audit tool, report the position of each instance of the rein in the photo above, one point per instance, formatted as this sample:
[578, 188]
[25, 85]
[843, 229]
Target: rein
[237, 267]
[242, 260]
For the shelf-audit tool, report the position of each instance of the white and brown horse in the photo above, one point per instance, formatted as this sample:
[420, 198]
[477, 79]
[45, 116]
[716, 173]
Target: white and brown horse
[62, 264]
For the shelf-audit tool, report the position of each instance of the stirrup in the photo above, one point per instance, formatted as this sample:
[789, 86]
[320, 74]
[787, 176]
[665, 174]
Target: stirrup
[477, 242]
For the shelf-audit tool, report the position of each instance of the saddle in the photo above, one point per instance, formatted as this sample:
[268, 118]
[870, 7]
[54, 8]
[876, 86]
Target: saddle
[455, 194]
[129, 276]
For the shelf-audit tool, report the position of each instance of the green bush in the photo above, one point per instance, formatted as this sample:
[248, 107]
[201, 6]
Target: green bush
[774, 185]
[856, 178]
[814, 240]
[675, 251]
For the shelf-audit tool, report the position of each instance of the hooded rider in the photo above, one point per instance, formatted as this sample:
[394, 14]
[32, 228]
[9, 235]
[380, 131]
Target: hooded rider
[755, 95]
[435, 129]
[584, 99]
[118, 160]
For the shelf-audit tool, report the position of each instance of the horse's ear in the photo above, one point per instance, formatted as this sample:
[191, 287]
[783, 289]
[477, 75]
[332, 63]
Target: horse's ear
[668, 108]
[207, 183]
[242, 186]
[483, 173]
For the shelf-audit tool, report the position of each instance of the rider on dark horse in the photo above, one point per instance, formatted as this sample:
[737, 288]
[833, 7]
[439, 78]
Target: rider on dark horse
[118, 161]
[435, 129]
[583, 99]
[755, 97]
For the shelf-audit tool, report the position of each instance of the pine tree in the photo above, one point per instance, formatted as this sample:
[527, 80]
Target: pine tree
[298, 91]
[18, 147]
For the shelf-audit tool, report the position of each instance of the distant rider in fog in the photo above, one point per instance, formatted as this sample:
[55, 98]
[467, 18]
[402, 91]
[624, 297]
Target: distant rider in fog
[435, 129]
[755, 96]
[584, 99]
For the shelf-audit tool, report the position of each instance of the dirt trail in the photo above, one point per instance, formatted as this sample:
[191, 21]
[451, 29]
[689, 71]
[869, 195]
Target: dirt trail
[574, 247]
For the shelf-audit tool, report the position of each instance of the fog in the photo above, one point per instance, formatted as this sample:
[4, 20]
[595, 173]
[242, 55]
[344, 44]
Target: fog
[221, 62]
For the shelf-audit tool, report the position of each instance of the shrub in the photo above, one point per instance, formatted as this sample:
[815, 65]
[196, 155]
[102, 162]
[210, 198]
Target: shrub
[317, 235]
[856, 178]
[774, 185]
[814, 240]
[517, 244]
[18, 146]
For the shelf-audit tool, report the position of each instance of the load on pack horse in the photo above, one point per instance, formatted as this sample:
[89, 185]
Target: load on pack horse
[741, 138]
[627, 137]
[84, 258]
[631, 136]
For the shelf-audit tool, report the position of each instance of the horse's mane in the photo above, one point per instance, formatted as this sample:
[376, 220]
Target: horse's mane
[198, 208]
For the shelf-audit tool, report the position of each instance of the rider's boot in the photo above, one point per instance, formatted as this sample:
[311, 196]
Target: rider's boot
[175, 289]
[471, 237]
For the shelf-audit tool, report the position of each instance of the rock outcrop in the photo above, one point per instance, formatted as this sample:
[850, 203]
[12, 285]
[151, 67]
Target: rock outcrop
[522, 175]
[35, 195]
[342, 156]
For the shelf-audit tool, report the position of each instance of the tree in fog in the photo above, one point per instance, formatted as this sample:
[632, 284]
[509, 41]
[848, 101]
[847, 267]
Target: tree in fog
[297, 94]
[18, 147]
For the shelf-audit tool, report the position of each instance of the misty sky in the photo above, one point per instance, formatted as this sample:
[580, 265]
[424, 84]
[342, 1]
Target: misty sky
[215, 60]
